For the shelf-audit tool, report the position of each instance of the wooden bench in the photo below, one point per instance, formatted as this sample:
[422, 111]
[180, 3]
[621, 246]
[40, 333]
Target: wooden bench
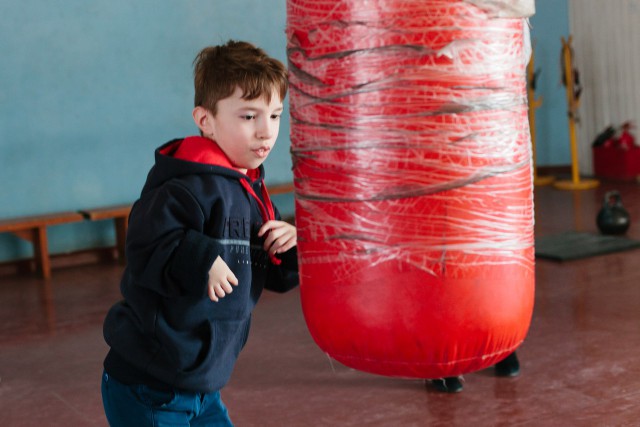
[120, 215]
[34, 229]
[281, 189]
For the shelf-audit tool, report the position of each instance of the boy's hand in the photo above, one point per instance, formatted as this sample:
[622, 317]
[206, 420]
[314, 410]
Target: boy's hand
[220, 280]
[281, 236]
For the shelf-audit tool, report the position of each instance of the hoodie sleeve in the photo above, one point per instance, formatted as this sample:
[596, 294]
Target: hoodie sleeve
[167, 251]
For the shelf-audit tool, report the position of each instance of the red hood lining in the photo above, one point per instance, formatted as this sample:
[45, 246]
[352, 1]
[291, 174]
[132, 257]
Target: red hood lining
[203, 150]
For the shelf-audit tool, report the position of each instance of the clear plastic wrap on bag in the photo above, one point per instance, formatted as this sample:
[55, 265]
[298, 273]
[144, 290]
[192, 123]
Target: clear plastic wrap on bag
[414, 206]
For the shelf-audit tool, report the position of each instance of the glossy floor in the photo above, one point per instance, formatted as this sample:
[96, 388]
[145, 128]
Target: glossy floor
[580, 364]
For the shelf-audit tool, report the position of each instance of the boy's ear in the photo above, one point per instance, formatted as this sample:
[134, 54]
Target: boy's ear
[202, 119]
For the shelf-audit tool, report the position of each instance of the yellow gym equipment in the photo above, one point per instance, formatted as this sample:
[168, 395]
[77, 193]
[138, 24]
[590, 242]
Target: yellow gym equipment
[573, 102]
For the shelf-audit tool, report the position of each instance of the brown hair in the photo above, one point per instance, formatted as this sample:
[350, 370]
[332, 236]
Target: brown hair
[218, 70]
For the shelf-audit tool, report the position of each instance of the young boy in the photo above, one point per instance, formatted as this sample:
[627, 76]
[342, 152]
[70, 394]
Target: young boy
[203, 242]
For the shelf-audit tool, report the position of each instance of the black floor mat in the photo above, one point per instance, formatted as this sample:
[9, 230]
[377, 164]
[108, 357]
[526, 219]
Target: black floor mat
[574, 245]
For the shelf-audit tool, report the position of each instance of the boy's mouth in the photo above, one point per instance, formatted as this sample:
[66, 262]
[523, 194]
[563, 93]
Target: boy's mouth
[262, 152]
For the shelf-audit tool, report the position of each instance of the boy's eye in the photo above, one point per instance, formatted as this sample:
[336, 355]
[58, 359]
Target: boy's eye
[275, 116]
[249, 116]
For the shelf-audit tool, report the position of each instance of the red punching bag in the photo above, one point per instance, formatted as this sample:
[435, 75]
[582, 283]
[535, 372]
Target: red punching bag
[412, 170]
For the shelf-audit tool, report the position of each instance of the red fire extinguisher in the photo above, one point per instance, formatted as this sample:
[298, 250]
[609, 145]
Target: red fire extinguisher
[626, 140]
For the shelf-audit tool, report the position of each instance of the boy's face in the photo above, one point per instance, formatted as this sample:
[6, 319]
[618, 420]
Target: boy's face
[246, 130]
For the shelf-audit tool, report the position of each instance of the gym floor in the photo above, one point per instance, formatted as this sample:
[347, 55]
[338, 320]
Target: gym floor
[579, 361]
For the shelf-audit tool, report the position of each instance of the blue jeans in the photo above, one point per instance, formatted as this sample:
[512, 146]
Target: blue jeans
[141, 406]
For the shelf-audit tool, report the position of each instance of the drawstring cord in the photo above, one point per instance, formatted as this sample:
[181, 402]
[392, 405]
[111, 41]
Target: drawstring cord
[266, 208]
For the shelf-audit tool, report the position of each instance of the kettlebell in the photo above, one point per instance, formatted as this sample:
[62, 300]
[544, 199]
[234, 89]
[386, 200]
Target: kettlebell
[613, 218]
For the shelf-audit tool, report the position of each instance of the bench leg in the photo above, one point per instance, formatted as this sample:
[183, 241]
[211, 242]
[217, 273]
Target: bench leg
[121, 237]
[37, 236]
[41, 251]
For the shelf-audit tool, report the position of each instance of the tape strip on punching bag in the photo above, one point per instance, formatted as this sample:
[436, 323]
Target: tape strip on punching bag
[412, 171]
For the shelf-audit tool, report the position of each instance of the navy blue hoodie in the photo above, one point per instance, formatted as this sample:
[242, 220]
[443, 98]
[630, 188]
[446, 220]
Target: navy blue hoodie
[166, 332]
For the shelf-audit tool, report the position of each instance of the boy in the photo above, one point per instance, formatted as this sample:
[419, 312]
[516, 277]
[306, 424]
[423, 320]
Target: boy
[203, 242]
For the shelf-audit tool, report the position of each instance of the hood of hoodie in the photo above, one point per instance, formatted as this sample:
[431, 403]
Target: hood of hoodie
[195, 154]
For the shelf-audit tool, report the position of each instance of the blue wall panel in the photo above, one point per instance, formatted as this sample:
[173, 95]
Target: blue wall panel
[549, 25]
[89, 89]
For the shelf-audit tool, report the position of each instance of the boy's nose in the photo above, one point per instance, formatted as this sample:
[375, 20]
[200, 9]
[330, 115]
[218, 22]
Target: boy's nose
[264, 130]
